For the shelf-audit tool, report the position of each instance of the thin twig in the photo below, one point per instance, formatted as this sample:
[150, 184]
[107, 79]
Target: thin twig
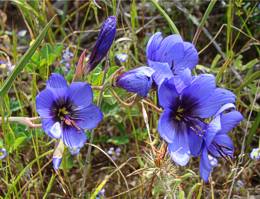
[122, 101]
[157, 109]
[27, 121]
[241, 156]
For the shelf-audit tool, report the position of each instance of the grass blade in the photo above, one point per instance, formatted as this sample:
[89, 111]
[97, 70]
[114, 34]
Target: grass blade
[166, 16]
[203, 20]
[24, 60]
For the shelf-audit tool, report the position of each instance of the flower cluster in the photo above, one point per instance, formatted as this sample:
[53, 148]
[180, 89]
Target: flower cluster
[255, 154]
[7, 65]
[67, 57]
[66, 111]
[115, 153]
[197, 115]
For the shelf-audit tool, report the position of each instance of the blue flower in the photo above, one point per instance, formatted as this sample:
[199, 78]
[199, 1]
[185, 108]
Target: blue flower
[56, 162]
[114, 153]
[3, 153]
[66, 111]
[67, 57]
[216, 142]
[170, 56]
[138, 80]
[182, 122]
[101, 194]
[255, 154]
[121, 58]
[105, 39]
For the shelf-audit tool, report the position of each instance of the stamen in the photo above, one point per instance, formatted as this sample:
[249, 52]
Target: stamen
[222, 153]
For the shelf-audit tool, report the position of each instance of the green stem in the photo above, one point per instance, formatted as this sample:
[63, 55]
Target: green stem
[173, 27]
[88, 157]
[203, 20]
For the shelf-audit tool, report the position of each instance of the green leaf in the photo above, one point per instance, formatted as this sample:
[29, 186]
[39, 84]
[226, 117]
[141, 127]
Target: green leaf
[248, 80]
[253, 131]
[67, 161]
[24, 60]
[18, 141]
[193, 190]
[119, 140]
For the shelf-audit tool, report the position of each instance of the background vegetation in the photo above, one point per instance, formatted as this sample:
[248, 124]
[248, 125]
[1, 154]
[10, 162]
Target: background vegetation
[226, 35]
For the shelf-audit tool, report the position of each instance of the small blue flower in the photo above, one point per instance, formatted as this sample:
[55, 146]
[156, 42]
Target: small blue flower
[216, 142]
[138, 80]
[255, 154]
[66, 111]
[7, 65]
[101, 194]
[114, 153]
[182, 123]
[3, 153]
[105, 39]
[67, 57]
[170, 56]
[56, 162]
[121, 58]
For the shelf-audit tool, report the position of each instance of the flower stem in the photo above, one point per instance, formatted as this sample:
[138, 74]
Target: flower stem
[88, 157]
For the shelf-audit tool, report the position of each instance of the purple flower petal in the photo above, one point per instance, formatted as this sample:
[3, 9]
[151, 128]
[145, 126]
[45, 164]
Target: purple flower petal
[254, 154]
[105, 39]
[179, 148]
[137, 80]
[57, 155]
[56, 162]
[55, 130]
[230, 120]
[44, 103]
[195, 143]
[3, 153]
[190, 58]
[225, 107]
[182, 80]
[168, 95]
[153, 45]
[162, 71]
[47, 125]
[167, 127]
[226, 144]
[205, 166]
[171, 50]
[80, 94]
[74, 151]
[88, 117]
[199, 91]
[213, 128]
[56, 81]
[208, 107]
[74, 138]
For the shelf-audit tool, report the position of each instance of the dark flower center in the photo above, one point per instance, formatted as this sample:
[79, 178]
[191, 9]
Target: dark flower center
[64, 112]
[195, 124]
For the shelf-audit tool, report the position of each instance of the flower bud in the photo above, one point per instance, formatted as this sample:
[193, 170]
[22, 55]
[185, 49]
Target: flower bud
[57, 155]
[105, 39]
[138, 80]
